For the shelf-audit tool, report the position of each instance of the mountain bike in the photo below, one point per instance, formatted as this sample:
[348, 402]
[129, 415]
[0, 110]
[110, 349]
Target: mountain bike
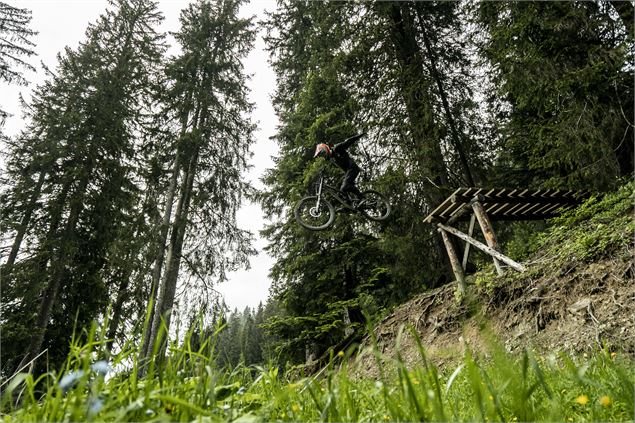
[316, 212]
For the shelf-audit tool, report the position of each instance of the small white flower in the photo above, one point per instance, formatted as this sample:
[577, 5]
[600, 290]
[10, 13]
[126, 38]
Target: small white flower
[102, 367]
[70, 379]
[94, 406]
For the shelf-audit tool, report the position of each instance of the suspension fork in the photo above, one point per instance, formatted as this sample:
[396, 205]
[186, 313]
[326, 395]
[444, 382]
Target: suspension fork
[319, 194]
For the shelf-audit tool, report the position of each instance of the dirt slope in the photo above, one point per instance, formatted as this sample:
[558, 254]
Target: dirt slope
[577, 294]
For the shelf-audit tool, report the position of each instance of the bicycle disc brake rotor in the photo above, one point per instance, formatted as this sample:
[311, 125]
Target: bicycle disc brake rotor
[314, 212]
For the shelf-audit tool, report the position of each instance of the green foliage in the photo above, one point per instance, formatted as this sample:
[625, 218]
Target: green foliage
[15, 32]
[345, 68]
[596, 228]
[562, 74]
[242, 340]
[501, 387]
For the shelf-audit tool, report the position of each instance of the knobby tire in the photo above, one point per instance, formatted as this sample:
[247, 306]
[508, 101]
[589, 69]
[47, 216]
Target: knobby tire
[375, 201]
[310, 201]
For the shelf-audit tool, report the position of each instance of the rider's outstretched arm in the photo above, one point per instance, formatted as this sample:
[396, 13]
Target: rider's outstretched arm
[347, 142]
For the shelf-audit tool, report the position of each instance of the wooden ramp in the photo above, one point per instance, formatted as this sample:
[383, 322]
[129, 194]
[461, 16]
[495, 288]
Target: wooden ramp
[486, 205]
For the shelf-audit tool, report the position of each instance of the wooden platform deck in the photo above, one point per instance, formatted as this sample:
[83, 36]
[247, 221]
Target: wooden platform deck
[486, 205]
[506, 204]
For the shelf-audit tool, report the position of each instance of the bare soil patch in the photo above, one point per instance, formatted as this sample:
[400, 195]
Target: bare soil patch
[581, 307]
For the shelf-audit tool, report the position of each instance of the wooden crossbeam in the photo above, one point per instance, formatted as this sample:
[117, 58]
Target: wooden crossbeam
[487, 250]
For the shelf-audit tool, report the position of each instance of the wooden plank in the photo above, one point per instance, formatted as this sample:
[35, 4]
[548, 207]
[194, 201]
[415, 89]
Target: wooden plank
[488, 231]
[500, 256]
[454, 261]
[528, 209]
[439, 208]
[512, 210]
[505, 203]
[499, 208]
[487, 199]
[523, 193]
[548, 193]
[555, 207]
[522, 209]
[512, 194]
[450, 210]
[541, 209]
[522, 218]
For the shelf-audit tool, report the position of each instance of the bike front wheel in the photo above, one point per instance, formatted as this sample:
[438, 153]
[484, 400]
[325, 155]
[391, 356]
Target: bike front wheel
[375, 206]
[312, 216]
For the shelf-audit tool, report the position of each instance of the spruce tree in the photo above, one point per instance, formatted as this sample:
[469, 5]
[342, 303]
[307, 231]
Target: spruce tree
[563, 79]
[208, 97]
[15, 44]
[88, 112]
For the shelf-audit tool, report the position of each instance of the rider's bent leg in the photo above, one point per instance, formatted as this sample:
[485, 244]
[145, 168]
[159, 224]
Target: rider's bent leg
[348, 183]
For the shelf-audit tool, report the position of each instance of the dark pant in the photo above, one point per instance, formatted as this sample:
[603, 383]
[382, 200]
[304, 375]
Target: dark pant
[348, 183]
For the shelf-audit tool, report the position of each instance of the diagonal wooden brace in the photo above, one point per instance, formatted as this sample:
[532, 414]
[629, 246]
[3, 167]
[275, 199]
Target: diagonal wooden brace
[484, 248]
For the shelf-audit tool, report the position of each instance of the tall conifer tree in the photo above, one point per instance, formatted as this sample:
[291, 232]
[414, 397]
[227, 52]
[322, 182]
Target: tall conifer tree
[209, 98]
[88, 113]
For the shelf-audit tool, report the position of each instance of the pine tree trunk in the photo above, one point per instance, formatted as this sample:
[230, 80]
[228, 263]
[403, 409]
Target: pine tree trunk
[50, 293]
[160, 253]
[122, 296]
[163, 234]
[46, 247]
[458, 145]
[165, 302]
[427, 151]
[24, 224]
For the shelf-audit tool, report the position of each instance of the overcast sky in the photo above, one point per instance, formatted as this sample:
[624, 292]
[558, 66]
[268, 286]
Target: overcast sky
[62, 23]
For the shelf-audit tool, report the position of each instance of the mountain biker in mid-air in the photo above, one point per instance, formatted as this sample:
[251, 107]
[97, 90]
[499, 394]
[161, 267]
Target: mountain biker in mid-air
[339, 155]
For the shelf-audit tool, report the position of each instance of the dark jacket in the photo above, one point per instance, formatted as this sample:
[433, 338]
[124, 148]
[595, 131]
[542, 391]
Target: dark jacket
[340, 156]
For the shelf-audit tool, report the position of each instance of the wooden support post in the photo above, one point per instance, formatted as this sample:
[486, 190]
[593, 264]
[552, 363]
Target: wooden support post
[454, 260]
[484, 248]
[488, 230]
[470, 231]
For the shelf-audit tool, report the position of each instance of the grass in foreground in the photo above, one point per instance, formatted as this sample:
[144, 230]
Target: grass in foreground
[190, 387]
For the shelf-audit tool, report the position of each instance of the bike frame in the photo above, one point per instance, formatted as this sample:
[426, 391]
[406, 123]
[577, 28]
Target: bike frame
[334, 193]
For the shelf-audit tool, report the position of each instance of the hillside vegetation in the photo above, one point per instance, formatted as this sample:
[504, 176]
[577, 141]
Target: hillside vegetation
[551, 344]
[576, 296]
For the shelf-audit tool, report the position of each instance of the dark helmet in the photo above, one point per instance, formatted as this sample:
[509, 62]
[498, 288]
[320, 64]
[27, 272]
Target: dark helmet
[322, 150]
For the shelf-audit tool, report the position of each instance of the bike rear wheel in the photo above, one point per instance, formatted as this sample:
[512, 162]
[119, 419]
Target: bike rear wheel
[375, 206]
[310, 216]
